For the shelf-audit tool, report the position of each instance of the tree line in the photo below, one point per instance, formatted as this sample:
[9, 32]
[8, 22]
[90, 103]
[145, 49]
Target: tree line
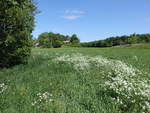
[119, 40]
[56, 40]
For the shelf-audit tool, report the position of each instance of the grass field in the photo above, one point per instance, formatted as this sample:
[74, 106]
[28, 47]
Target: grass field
[78, 80]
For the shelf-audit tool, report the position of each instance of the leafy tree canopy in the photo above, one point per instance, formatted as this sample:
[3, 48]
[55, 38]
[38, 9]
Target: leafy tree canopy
[56, 40]
[16, 25]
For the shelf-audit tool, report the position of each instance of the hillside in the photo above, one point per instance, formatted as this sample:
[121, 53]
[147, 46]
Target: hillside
[134, 46]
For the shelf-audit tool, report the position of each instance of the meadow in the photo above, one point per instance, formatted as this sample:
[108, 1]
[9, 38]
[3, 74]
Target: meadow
[78, 80]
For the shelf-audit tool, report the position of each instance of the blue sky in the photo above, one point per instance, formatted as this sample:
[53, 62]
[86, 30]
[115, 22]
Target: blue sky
[93, 19]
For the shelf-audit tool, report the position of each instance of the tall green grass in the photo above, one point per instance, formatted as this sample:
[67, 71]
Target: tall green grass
[47, 86]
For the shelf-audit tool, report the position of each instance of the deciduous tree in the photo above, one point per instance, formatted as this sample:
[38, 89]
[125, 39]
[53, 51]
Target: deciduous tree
[16, 26]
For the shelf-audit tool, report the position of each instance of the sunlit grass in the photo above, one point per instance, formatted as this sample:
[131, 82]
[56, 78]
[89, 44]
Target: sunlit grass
[46, 85]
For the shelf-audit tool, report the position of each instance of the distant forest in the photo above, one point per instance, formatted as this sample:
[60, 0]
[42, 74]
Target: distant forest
[56, 40]
[119, 40]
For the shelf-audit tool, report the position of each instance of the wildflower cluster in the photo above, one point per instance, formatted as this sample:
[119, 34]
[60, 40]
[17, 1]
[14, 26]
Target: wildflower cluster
[45, 97]
[79, 62]
[3, 87]
[124, 83]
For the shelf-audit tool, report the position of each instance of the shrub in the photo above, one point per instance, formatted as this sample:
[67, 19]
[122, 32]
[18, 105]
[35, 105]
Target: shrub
[16, 25]
[71, 45]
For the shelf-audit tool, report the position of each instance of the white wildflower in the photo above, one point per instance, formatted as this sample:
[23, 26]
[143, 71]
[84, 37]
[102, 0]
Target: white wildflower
[43, 97]
[124, 79]
[3, 87]
[79, 61]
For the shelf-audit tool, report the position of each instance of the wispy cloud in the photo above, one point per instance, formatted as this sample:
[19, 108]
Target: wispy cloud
[73, 14]
[72, 17]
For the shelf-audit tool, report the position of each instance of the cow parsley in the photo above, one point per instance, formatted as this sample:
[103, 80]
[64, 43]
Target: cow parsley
[123, 80]
[43, 98]
[3, 87]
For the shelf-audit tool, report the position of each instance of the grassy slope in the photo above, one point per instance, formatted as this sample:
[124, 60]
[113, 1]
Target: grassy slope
[135, 46]
[73, 92]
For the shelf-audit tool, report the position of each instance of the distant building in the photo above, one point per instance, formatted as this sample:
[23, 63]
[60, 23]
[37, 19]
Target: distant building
[37, 45]
[66, 41]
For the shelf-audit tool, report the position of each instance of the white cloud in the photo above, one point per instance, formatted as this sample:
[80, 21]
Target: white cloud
[72, 17]
[74, 12]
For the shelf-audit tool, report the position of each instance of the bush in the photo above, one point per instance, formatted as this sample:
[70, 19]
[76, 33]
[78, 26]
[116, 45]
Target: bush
[71, 45]
[16, 25]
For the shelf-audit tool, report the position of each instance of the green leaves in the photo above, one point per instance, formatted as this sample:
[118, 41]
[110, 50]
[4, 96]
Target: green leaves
[9, 40]
[14, 2]
[50, 40]
[16, 26]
